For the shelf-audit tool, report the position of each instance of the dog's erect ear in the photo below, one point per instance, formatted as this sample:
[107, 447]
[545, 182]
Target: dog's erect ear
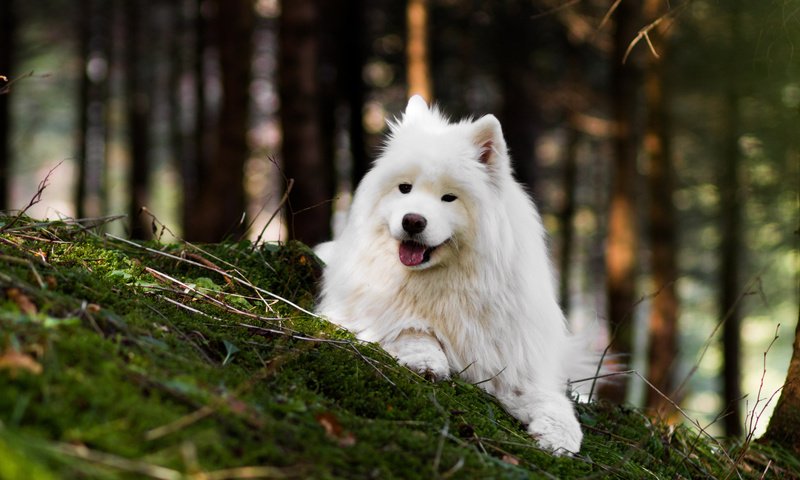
[416, 108]
[488, 137]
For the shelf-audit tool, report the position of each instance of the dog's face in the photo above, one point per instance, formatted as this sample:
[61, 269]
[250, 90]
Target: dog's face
[427, 216]
[433, 183]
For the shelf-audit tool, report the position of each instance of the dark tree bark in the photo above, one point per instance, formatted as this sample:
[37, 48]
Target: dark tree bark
[221, 201]
[784, 425]
[309, 210]
[194, 162]
[731, 248]
[96, 18]
[178, 67]
[7, 34]
[518, 113]
[567, 214]
[138, 113]
[621, 243]
[663, 344]
[351, 60]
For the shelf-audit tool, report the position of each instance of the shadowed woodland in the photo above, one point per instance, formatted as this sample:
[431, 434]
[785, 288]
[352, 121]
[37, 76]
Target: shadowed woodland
[659, 139]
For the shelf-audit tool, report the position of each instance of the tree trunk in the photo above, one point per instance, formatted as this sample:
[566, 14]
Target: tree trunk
[621, 242]
[194, 162]
[519, 113]
[417, 51]
[221, 202]
[96, 18]
[308, 213]
[138, 106]
[663, 334]
[784, 425]
[567, 214]
[7, 34]
[351, 60]
[731, 248]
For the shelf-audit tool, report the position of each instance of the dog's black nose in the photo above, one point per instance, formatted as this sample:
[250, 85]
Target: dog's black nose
[414, 223]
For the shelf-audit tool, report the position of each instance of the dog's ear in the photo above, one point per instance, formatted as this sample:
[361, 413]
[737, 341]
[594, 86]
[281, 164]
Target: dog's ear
[488, 137]
[416, 108]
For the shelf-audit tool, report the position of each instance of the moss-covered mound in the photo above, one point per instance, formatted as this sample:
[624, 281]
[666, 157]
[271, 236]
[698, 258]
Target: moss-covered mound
[126, 360]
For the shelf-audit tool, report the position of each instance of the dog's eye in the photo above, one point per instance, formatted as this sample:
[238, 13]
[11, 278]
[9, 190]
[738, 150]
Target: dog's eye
[404, 187]
[449, 197]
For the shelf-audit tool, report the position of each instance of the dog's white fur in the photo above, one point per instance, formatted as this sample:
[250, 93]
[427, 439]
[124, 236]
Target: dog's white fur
[483, 303]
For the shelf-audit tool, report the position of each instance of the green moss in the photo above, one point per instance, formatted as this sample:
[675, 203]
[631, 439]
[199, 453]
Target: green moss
[184, 358]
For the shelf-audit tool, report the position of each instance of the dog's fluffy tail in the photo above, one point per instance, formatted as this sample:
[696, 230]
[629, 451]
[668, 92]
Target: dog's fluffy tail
[588, 364]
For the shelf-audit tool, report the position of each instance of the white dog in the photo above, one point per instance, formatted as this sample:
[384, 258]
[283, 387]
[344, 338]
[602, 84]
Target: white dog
[443, 261]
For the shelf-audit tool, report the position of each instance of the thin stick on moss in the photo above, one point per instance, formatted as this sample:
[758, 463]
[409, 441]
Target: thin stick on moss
[37, 197]
[116, 462]
[189, 288]
[284, 199]
[242, 281]
[753, 418]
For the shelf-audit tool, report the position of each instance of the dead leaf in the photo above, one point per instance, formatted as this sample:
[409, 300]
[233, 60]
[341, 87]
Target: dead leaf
[334, 430]
[24, 303]
[16, 361]
[510, 459]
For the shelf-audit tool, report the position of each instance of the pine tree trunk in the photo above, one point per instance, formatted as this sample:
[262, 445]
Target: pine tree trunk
[663, 329]
[221, 200]
[7, 34]
[308, 214]
[622, 239]
[567, 214]
[96, 18]
[514, 36]
[731, 248]
[351, 61]
[194, 162]
[138, 112]
[417, 52]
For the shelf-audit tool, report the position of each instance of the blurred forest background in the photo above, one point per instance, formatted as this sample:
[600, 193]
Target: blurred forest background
[660, 139]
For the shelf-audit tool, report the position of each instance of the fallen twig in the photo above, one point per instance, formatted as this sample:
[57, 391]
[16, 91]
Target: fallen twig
[37, 197]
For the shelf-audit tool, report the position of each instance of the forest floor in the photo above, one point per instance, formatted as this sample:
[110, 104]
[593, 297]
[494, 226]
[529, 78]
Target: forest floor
[130, 360]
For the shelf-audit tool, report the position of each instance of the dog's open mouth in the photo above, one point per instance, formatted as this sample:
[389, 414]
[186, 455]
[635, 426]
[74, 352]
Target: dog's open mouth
[414, 253]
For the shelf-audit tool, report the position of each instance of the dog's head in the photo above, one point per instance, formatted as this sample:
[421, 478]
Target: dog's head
[435, 180]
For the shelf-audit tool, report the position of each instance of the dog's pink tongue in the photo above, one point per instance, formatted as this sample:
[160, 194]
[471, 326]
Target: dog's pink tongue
[412, 253]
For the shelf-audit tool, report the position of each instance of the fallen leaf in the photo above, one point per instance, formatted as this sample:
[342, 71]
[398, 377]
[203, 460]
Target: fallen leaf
[15, 361]
[334, 430]
[24, 303]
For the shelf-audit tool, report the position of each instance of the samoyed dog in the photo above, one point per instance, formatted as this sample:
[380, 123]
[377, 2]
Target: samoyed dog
[442, 260]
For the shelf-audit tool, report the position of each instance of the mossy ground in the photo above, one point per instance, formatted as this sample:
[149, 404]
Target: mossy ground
[121, 360]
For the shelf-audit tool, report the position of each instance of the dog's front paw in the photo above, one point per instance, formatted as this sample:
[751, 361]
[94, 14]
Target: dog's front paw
[422, 353]
[431, 364]
[557, 431]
